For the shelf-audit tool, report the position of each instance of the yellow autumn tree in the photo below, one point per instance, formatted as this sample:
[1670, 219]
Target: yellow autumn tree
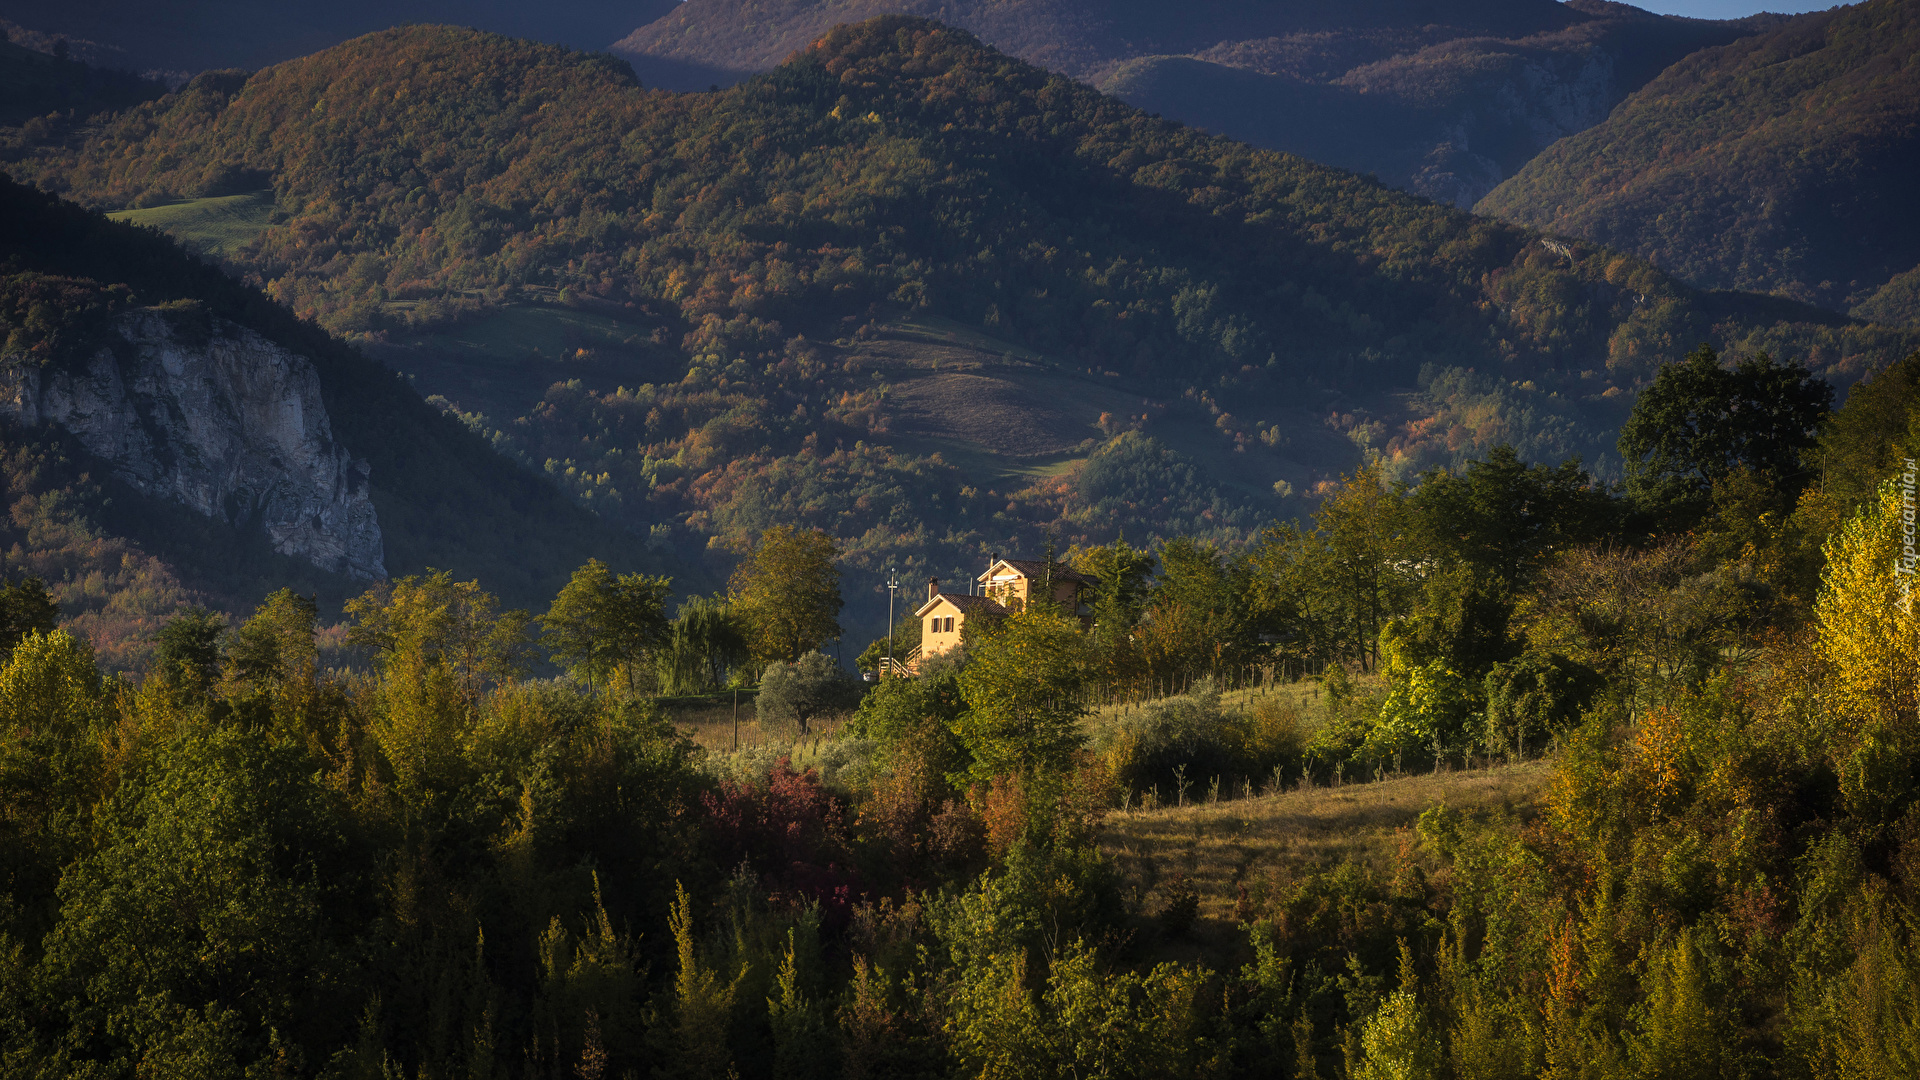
[786, 593]
[437, 645]
[1870, 637]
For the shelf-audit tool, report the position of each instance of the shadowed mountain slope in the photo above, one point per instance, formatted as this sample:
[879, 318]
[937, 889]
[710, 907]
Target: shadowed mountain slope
[120, 559]
[1783, 163]
[708, 313]
[34, 83]
[190, 36]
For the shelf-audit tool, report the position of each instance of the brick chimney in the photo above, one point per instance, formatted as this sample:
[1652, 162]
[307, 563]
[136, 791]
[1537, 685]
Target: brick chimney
[933, 587]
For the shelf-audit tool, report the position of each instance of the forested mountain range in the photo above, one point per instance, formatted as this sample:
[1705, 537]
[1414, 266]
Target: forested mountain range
[1446, 99]
[1781, 163]
[118, 560]
[904, 287]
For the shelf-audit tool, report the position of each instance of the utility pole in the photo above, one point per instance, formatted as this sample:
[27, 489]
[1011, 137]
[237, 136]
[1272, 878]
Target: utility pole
[893, 586]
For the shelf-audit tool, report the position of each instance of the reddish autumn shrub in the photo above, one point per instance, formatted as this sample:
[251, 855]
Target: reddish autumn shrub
[792, 833]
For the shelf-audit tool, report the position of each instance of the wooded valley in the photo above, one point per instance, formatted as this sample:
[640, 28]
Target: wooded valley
[452, 488]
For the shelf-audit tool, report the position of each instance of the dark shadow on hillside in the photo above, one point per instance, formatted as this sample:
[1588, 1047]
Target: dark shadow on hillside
[1722, 304]
[666, 73]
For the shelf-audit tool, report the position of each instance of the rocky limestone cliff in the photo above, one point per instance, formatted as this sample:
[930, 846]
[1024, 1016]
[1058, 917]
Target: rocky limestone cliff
[219, 418]
[1531, 105]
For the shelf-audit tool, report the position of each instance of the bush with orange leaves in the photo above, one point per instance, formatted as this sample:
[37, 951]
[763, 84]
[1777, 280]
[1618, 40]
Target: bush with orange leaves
[1045, 809]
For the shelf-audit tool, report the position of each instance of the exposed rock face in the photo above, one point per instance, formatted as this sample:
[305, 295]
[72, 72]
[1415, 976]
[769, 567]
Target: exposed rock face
[1533, 103]
[232, 425]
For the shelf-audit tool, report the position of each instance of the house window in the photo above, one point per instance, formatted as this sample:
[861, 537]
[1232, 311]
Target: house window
[949, 624]
[933, 626]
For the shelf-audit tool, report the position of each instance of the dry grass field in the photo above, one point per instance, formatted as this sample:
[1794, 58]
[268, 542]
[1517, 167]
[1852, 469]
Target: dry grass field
[1267, 839]
[1306, 695]
[1222, 841]
[709, 722]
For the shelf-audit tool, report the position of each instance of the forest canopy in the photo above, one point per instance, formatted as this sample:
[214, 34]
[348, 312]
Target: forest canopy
[757, 252]
[245, 862]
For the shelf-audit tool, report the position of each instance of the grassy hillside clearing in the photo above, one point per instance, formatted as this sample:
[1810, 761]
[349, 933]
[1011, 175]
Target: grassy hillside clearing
[223, 225]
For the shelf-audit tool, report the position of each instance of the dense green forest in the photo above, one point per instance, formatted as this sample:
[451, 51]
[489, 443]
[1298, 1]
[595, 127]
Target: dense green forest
[250, 863]
[1781, 163]
[117, 561]
[752, 254]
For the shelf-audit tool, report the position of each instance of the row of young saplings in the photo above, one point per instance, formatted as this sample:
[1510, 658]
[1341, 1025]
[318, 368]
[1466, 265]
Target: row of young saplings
[1335, 775]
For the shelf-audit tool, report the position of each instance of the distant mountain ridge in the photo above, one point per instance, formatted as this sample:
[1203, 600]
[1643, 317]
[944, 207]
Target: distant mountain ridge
[1074, 37]
[190, 36]
[1783, 163]
[1444, 99]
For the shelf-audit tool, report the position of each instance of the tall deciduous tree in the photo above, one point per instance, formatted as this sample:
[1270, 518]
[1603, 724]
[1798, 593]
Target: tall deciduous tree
[436, 619]
[1125, 580]
[1479, 537]
[704, 645]
[787, 591]
[1646, 620]
[1022, 686]
[602, 625]
[1196, 621]
[1505, 518]
[1699, 422]
[53, 710]
[1867, 627]
[439, 644]
[225, 867]
[1868, 435]
[1357, 567]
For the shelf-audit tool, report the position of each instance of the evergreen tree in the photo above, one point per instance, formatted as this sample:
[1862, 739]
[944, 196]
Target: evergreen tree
[25, 608]
[186, 651]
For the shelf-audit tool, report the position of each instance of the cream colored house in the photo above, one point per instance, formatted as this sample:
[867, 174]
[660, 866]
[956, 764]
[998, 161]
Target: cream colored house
[944, 616]
[1004, 588]
[1012, 581]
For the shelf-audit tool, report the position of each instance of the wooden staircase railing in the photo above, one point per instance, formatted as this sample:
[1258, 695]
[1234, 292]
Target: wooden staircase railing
[892, 667]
